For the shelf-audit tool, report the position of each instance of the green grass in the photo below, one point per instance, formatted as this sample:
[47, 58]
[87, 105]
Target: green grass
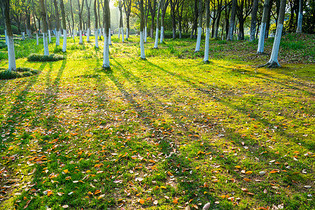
[168, 129]
[18, 73]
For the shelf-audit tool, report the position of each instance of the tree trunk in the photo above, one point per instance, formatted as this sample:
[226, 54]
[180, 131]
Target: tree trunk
[157, 27]
[43, 17]
[261, 39]
[300, 17]
[121, 26]
[142, 56]
[72, 18]
[80, 20]
[106, 16]
[206, 54]
[273, 62]
[88, 24]
[96, 24]
[253, 20]
[57, 23]
[197, 49]
[11, 52]
[219, 10]
[64, 26]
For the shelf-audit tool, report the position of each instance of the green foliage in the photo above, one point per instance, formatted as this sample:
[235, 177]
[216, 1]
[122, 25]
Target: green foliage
[20, 72]
[43, 58]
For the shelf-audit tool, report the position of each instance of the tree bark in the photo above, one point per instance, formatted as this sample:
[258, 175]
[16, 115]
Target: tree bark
[64, 26]
[253, 21]
[273, 62]
[300, 17]
[43, 17]
[206, 54]
[96, 24]
[57, 24]
[88, 24]
[197, 49]
[142, 56]
[261, 39]
[106, 16]
[11, 52]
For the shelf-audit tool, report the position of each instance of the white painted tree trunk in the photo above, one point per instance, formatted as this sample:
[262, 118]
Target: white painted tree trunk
[64, 46]
[37, 42]
[145, 34]
[45, 42]
[81, 41]
[49, 36]
[122, 35]
[299, 23]
[11, 54]
[96, 38]
[261, 40]
[206, 55]
[23, 36]
[57, 38]
[162, 35]
[118, 33]
[127, 33]
[142, 45]
[88, 35]
[6, 37]
[106, 52]
[198, 39]
[109, 37]
[156, 37]
[73, 33]
[28, 31]
[276, 45]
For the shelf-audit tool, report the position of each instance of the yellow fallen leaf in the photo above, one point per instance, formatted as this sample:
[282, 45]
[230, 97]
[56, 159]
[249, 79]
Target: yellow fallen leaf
[175, 201]
[237, 166]
[141, 201]
[10, 148]
[248, 172]
[66, 171]
[49, 192]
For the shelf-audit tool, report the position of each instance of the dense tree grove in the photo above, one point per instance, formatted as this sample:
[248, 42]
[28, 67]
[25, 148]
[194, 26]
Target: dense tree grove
[219, 19]
[181, 17]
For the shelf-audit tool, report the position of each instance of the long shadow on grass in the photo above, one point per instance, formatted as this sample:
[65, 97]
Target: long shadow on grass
[228, 162]
[175, 163]
[18, 114]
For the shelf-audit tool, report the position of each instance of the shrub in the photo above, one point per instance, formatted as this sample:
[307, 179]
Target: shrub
[20, 72]
[40, 57]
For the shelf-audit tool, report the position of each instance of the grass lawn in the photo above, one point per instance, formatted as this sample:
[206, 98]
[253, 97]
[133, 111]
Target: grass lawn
[161, 133]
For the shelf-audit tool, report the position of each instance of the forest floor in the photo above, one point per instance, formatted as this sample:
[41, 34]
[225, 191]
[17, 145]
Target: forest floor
[162, 133]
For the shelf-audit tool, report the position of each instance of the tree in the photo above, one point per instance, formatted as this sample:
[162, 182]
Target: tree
[106, 15]
[261, 39]
[273, 62]
[121, 27]
[43, 17]
[96, 24]
[300, 17]
[88, 6]
[72, 18]
[127, 7]
[152, 8]
[64, 26]
[11, 53]
[142, 56]
[197, 49]
[243, 9]
[57, 24]
[164, 5]
[253, 20]
[80, 20]
[206, 55]
[157, 26]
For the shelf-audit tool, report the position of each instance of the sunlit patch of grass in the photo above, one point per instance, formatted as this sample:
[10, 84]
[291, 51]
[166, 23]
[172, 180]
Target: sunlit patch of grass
[168, 130]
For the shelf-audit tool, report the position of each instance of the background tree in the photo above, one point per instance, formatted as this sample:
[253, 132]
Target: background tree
[64, 26]
[157, 26]
[96, 23]
[197, 49]
[43, 17]
[57, 33]
[80, 20]
[106, 14]
[261, 40]
[300, 17]
[88, 23]
[206, 55]
[11, 53]
[142, 55]
[253, 20]
[273, 62]
[127, 7]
